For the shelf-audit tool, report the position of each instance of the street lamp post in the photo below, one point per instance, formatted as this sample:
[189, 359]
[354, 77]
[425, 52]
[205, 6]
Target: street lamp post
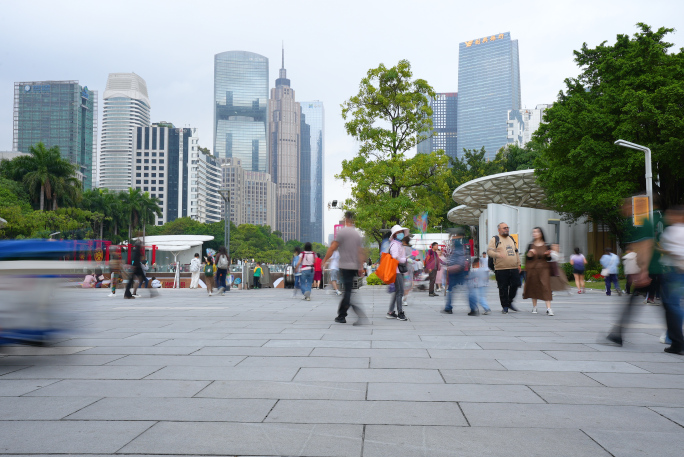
[517, 221]
[440, 229]
[225, 194]
[649, 175]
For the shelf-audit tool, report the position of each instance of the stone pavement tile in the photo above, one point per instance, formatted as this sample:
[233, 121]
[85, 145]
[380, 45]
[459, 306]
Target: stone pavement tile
[11, 368]
[151, 350]
[73, 359]
[652, 381]
[111, 342]
[249, 439]
[632, 443]
[37, 408]
[622, 356]
[286, 390]
[176, 409]
[183, 360]
[436, 364]
[254, 351]
[319, 362]
[610, 396]
[452, 392]
[16, 387]
[674, 414]
[489, 354]
[179, 336]
[30, 350]
[274, 336]
[526, 378]
[467, 339]
[122, 388]
[202, 343]
[318, 344]
[655, 347]
[565, 416]
[484, 344]
[571, 365]
[226, 373]
[82, 372]
[67, 437]
[657, 367]
[346, 336]
[369, 375]
[381, 353]
[425, 345]
[432, 441]
[367, 412]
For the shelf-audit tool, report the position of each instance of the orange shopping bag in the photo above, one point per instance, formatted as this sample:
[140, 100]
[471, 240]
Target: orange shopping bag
[387, 270]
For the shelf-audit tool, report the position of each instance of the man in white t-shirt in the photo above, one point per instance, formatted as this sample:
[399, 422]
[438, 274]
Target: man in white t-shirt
[195, 267]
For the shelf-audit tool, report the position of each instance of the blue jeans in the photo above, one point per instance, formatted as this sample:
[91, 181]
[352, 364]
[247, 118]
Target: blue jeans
[612, 278]
[455, 279]
[478, 294]
[673, 290]
[307, 279]
[298, 282]
[221, 277]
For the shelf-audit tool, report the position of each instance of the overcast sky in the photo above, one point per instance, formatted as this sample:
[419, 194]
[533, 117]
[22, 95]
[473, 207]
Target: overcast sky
[329, 46]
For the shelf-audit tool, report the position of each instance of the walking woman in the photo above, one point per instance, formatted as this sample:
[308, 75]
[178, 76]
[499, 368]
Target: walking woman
[307, 259]
[222, 263]
[209, 275]
[396, 250]
[578, 262]
[538, 282]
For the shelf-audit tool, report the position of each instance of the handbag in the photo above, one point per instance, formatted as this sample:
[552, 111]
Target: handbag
[403, 268]
[604, 272]
[387, 270]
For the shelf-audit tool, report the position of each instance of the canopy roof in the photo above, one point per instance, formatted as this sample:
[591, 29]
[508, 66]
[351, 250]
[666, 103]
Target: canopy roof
[465, 215]
[516, 188]
[193, 240]
[172, 247]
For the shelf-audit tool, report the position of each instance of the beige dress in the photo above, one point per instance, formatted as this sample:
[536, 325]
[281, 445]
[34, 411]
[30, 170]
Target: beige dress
[538, 276]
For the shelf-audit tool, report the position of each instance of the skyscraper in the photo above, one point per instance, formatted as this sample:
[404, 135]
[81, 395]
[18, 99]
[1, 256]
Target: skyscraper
[241, 108]
[523, 123]
[126, 107]
[488, 86]
[313, 115]
[285, 130]
[58, 113]
[444, 125]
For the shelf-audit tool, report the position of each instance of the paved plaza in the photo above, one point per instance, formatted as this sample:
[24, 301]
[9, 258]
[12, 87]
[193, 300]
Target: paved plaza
[258, 373]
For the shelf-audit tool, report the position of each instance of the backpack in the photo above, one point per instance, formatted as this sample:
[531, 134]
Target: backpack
[222, 262]
[490, 259]
[209, 270]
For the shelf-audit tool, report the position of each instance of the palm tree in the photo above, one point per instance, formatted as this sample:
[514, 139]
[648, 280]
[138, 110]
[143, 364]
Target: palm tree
[133, 202]
[149, 209]
[68, 189]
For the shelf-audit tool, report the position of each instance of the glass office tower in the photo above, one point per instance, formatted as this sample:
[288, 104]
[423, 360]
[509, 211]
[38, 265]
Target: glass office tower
[58, 113]
[444, 116]
[312, 219]
[488, 86]
[241, 108]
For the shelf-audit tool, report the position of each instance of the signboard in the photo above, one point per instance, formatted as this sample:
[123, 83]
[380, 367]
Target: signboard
[515, 237]
[639, 210]
[336, 229]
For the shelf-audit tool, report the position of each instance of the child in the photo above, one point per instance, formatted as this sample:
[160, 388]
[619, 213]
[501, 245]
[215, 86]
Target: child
[478, 280]
[209, 275]
[156, 284]
[257, 276]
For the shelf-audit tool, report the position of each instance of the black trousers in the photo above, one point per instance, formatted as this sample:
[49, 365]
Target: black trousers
[432, 276]
[508, 282]
[628, 310]
[345, 304]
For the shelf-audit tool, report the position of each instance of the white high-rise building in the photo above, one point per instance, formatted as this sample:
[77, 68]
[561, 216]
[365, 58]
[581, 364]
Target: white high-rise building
[126, 107]
[522, 123]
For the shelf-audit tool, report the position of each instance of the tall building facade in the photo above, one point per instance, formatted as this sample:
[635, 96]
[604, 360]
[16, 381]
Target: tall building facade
[444, 125]
[312, 165]
[58, 113]
[241, 108]
[285, 130]
[126, 106]
[523, 123]
[488, 86]
[252, 194]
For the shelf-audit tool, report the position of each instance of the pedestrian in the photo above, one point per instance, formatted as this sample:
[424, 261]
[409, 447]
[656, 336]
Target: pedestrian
[348, 246]
[672, 245]
[297, 272]
[258, 271]
[629, 260]
[538, 281]
[318, 272]
[397, 251]
[578, 262]
[611, 264]
[559, 281]
[504, 252]
[195, 269]
[334, 267]
[306, 265]
[484, 260]
[138, 253]
[89, 281]
[433, 264]
[441, 274]
[478, 281]
[156, 284]
[222, 264]
[456, 267]
[115, 269]
[209, 275]
[144, 279]
[410, 269]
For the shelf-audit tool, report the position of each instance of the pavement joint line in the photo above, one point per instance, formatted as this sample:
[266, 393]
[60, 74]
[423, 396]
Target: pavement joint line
[195, 395]
[537, 394]
[597, 443]
[242, 360]
[155, 371]
[18, 368]
[595, 380]
[441, 375]
[651, 408]
[464, 416]
[90, 404]
[363, 438]
[137, 436]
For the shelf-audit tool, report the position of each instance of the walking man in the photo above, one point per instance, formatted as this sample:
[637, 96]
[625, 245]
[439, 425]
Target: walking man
[456, 267]
[611, 263]
[195, 268]
[504, 251]
[348, 244]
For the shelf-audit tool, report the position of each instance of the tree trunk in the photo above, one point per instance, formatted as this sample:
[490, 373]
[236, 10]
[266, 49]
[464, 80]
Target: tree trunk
[54, 203]
[42, 196]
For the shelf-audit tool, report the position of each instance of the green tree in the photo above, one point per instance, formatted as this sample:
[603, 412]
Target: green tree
[388, 117]
[631, 90]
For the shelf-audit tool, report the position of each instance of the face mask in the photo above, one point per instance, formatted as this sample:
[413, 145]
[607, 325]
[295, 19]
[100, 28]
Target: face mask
[400, 236]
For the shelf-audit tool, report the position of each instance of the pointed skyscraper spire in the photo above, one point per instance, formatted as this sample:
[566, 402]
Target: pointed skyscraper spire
[282, 74]
[283, 65]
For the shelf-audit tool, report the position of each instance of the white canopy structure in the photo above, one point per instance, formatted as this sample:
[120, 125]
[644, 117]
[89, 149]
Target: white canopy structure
[515, 188]
[464, 215]
[175, 244]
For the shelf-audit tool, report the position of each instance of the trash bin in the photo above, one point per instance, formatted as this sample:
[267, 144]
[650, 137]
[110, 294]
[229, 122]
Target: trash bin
[289, 277]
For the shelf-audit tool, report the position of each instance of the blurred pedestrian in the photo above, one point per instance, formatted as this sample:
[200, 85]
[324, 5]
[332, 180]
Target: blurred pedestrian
[538, 282]
[258, 271]
[195, 269]
[396, 250]
[629, 260]
[297, 272]
[138, 273]
[410, 269]
[456, 267]
[559, 281]
[306, 265]
[578, 262]
[611, 265]
[347, 245]
[115, 270]
[209, 275]
[334, 267]
[433, 264]
[672, 245]
[318, 272]
[504, 251]
[478, 281]
[222, 264]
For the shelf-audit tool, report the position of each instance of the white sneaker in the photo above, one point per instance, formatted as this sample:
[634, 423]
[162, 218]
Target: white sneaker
[137, 295]
[112, 295]
[307, 298]
[210, 294]
[338, 292]
[549, 312]
[534, 310]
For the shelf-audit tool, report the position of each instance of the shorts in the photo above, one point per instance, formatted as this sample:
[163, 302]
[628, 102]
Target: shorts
[334, 275]
[318, 275]
[577, 271]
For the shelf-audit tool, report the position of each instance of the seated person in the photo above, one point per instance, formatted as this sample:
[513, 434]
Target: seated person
[156, 284]
[99, 278]
[88, 281]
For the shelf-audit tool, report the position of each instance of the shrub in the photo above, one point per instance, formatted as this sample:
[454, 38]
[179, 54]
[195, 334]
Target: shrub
[568, 270]
[373, 280]
[591, 275]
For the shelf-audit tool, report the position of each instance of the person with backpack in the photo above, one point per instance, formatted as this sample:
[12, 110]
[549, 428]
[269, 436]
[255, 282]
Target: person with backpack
[307, 259]
[505, 261]
[538, 282]
[209, 275]
[222, 264]
[195, 268]
[257, 276]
